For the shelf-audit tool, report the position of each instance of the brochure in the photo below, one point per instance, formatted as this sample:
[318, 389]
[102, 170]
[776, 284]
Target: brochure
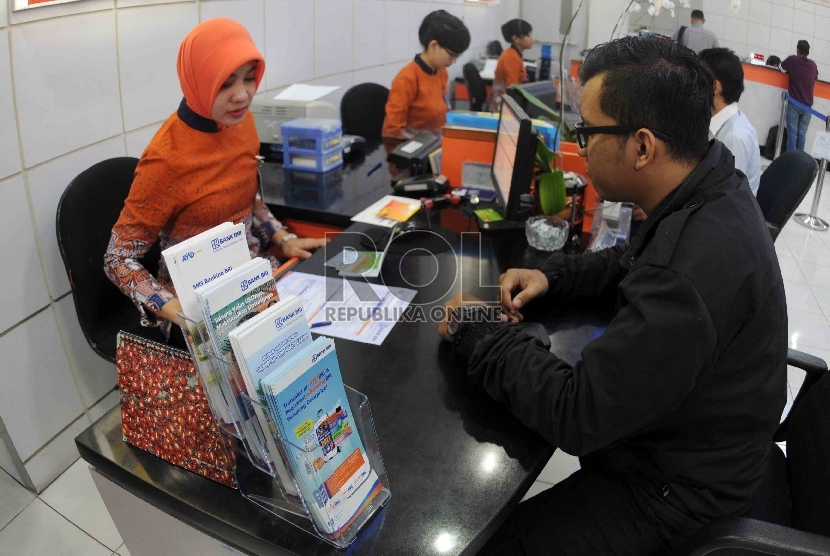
[308, 400]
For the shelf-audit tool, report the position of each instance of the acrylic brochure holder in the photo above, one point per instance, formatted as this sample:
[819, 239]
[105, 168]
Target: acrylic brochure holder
[264, 477]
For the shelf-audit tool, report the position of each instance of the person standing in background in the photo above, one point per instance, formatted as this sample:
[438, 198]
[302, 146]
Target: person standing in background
[803, 76]
[511, 67]
[729, 125]
[419, 99]
[697, 37]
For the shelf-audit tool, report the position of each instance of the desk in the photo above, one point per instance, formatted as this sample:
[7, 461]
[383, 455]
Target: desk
[457, 461]
[336, 206]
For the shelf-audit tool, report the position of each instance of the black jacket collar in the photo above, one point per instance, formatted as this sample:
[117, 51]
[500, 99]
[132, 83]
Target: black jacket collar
[194, 120]
[423, 65]
[718, 165]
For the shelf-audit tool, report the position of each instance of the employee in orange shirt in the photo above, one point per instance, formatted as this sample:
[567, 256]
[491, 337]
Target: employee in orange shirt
[511, 67]
[199, 170]
[419, 98]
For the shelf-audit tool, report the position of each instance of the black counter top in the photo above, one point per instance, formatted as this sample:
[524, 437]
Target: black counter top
[457, 462]
[333, 198]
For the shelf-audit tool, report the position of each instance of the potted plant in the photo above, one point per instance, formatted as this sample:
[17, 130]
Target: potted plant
[548, 231]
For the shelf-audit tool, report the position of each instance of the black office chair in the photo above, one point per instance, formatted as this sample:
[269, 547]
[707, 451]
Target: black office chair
[363, 110]
[494, 48]
[783, 186]
[475, 87]
[87, 211]
[791, 512]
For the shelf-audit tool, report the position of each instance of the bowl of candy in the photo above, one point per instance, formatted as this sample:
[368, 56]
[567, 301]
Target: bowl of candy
[546, 233]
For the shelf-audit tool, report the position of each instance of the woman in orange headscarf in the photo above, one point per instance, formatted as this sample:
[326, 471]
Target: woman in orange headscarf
[199, 170]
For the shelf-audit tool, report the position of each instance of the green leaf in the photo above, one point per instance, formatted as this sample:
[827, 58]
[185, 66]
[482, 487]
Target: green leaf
[552, 197]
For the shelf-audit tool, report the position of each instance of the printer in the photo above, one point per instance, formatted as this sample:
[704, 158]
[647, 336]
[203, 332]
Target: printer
[270, 114]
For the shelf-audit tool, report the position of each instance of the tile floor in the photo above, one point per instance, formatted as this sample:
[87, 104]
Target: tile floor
[70, 519]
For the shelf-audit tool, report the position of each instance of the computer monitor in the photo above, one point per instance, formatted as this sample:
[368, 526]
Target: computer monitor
[514, 158]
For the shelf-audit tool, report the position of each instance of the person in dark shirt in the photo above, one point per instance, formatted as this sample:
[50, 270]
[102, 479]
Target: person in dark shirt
[672, 409]
[803, 74]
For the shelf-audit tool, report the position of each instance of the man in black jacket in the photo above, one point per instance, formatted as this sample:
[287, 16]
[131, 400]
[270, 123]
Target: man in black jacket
[673, 408]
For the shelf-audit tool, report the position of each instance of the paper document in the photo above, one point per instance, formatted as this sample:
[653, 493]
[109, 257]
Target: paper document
[371, 214]
[300, 91]
[356, 310]
[489, 71]
[821, 145]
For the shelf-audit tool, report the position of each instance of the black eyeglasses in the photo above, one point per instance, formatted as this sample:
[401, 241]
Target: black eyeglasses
[583, 132]
[452, 54]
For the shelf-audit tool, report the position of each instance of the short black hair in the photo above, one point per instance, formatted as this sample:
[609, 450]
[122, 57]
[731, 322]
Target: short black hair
[803, 47]
[773, 60]
[443, 27]
[727, 68]
[515, 28]
[697, 14]
[657, 84]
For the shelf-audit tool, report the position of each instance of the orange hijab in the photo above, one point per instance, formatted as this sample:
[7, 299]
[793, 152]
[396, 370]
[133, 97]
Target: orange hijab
[209, 54]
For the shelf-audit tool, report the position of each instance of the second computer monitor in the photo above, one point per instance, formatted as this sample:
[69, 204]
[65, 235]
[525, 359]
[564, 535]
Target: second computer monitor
[514, 158]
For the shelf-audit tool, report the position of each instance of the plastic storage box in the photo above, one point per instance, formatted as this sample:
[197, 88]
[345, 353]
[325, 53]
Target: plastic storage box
[310, 144]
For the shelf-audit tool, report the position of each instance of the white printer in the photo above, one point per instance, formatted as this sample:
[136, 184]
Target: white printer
[270, 114]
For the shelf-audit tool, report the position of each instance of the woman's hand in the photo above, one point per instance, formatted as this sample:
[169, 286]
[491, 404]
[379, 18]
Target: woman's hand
[302, 246]
[170, 310]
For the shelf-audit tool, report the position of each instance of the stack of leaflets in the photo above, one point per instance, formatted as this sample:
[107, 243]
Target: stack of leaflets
[197, 262]
[330, 464]
[388, 211]
[260, 344]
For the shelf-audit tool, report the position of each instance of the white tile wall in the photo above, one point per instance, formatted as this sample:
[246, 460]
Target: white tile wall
[735, 30]
[397, 29]
[803, 23]
[713, 7]
[417, 12]
[782, 17]
[332, 37]
[22, 287]
[758, 35]
[132, 3]
[144, 100]
[51, 460]
[760, 11]
[47, 183]
[85, 81]
[770, 27]
[780, 43]
[66, 84]
[9, 144]
[289, 51]
[39, 397]
[369, 33]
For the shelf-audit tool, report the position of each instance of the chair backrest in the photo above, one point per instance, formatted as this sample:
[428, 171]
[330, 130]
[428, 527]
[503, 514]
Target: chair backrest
[808, 459]
[494, 48]
[87, 211]
[475, 86]
[363, 110]
[784, 184]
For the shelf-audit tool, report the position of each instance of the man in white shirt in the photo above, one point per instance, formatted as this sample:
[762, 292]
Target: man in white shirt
[729, 125]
